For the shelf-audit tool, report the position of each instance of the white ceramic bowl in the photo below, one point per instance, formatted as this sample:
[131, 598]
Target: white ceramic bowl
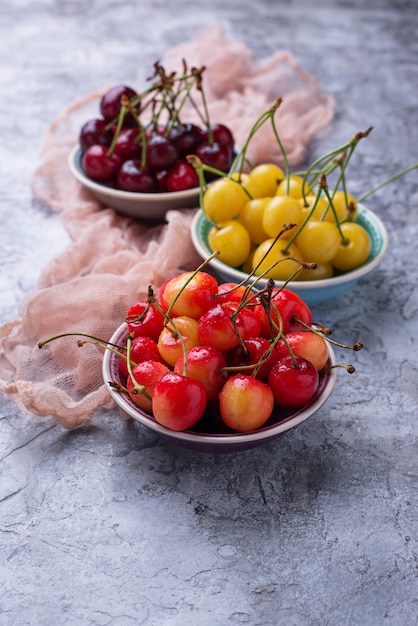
[210, 435]
[150, 207]
[312, 291]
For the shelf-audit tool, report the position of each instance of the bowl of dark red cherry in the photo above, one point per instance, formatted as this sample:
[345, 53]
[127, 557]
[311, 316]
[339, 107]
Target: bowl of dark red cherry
[135, 161]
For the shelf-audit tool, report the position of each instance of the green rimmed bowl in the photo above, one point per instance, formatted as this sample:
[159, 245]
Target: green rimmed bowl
[312, 291]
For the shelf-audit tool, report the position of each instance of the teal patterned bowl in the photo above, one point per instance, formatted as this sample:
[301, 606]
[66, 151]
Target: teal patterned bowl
[312, 291]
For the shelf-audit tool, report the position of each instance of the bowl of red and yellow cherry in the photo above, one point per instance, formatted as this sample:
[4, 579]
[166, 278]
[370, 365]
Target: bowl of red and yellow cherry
[138, 165]
[269, 226]
[220, 367]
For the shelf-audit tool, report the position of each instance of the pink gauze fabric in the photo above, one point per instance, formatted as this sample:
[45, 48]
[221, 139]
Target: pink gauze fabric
[112, 259]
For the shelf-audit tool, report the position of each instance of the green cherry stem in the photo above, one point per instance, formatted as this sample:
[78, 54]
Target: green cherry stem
[190, 278]
[323, 186]
[188, 96]
[99, 341]
[325, 159]
[140, 389]
[348, 367]
[303, 224]
[199, 86]
[285, 229]
[389, 180]
[240, 159]
[123, 111]
[283, 153]
[100, 344]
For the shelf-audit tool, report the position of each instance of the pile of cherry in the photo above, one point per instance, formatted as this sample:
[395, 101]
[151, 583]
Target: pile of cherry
[122, 152]
[198, 348]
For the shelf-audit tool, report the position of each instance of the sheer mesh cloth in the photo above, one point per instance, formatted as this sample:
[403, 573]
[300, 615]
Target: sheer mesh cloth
[112, 259]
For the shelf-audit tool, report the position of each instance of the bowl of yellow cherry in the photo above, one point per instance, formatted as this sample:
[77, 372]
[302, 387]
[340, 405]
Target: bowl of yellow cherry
[270, 225]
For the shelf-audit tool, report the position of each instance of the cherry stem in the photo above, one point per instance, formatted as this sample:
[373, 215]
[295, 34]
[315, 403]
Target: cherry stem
[348, 367]
[283, 152]
[188, 96]
[99, 343]
[355, 347]
[137, 385]
[323, 185]
[264, 117]
[206, 110]
[117, 386]
[325, 159]
[175, 332]
[189, 279]
[102, 342]
[129, 319]
[389, 180]
[303, 224]
[285, 229]
[121, 117]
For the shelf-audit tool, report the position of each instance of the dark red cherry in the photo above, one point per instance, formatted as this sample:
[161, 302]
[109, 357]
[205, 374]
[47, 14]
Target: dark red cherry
[186, 138]
[128, 144]
[133, 177]
[161, 176]
[161, 152]
[221, 134]
[181, 176]
[215, 155]
[110, 104]
[94, 132]
[99, 165]
[155, 129]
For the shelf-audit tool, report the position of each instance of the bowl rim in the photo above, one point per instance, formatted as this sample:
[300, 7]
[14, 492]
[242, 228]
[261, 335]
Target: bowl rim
[234, 439]
[301, 285]
[75, 168]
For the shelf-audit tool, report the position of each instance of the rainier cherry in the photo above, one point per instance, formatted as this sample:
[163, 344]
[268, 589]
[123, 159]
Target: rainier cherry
[230, 292]
[142, 349]
[189, 293]
[309, 345]
[293, 382]
[252, 352]
[178, 402]
[146, 375]
[204, 363]
[245, 403]
[215, 328]
[145, 319]
[180, 332]
[291, 308]
[247, 320]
